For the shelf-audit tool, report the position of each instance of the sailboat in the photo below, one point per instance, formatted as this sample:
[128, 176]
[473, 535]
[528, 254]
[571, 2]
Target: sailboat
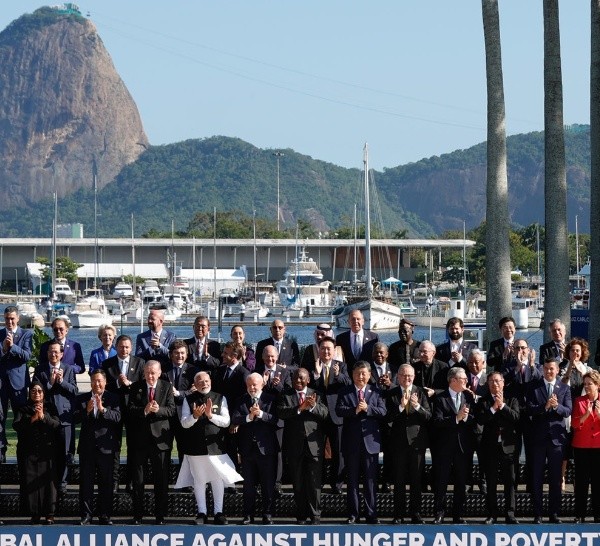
[379, 315]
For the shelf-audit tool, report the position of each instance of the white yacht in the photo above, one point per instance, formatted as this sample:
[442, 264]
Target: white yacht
[90, 311]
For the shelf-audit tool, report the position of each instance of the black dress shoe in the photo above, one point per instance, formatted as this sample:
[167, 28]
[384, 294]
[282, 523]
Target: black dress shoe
[86, 520]
[49, 520]
[459, 521]
[577, 521]
[438, 520]
[397, 521]
[537, 520]
[220, 519]
[200, 519]
[511, 520]
[266, 519]
[160, 521]
[247, 520]
[352, 520]
[136, 521]
[417, 519]
[315, 520]
[300, 521]
[372, 520]
[105, 521]
[490, 521]
[555, 519]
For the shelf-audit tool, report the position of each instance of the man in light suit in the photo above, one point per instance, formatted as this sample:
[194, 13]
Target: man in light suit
[71, 350]
[100, 416]
[122, 371]
[15, 352]
[289, 353]
[362, 408]
[456, 350]
[151, 407]
[60, 386]
[408, 411]
[357, 343]
[500, 443]
[304, 414]
[548, 404]
[327, 378]
[203, 353]
[256, 419]
[154, 343]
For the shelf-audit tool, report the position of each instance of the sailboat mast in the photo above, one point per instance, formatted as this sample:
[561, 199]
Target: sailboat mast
[368, 284]
[54, 222]
[95, 173]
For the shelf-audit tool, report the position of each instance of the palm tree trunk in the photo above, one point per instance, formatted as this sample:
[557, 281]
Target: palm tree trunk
[498, 266]
[555, 197]
[594, 329]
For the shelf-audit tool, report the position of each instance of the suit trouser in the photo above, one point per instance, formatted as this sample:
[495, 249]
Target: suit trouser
[160, 474]
[359, 460]
[546, 452]
[334, 433]
[459, 461]
[305, 473]
[408, 468]
[494, 457]
[91, 463]
[587, 464]
[258, 469]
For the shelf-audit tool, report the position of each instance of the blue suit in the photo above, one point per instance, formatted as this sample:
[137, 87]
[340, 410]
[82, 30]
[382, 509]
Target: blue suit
[361, 444]
[144, 350]
[548, 437]
[72, 355]
[14, 375]
[97, 357]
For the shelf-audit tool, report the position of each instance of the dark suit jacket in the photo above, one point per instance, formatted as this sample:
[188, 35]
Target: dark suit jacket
[450, 435]
[135, 372]
[548, 425]
[153, 428]
[503, 424]
[517, 382]
[183, 383]
[259, 433]
[13, 365]
[444, 354]
[289, 353]
[364, 427]
[62, 394]
[206, 362]
[145, 351]
[332, 388]
[408, 429]
[285, 381]
[434, 376]
[397, 353]
[72, 355]
[548, 350]
[495, 355]
[344, 341]
[232, 388]
[100, 432]
[391, 370]
[306, 426]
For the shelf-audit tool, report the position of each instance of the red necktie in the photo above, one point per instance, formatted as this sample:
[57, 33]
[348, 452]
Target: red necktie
[300, 398]
[151, 394]
[361, 395]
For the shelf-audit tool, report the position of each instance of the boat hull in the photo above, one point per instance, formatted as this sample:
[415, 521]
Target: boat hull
[91, 320]
[378, 315]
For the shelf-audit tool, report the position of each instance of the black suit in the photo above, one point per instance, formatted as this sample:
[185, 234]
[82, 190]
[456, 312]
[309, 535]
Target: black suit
[344, 340]
[151, 437]
[496, 355]
[289, 354]
[549, 350]
[500, 443]
[400, 353]
[209, 360]
[409, 439]
[433, 376]
[258, 448]
[99, 439]
[303, 449]
[444, 353]
[454, 450]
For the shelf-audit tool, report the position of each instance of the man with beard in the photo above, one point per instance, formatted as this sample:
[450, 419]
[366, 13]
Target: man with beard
[406, 349]
[456, 350]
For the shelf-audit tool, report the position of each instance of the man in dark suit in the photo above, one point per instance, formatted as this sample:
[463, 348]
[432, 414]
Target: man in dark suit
[154, 343]
[453, 425]
[288, 351]
[500, 350]
[60, 386]
[151, 407]
[430, 374]
[15, 352]
[406, 349]
[72, 353]
[203, 353]
[500, 444]
[99, 414]
[356, 343]
[304, 414]
[456, 350]
[256, 419]
[362, 408]
[408, 411]
[122, 371]
[555, 348]
[548, 403]
[311, 353]
[327, 378]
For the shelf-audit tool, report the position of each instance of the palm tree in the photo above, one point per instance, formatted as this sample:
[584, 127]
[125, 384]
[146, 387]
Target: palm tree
[555, 189]
[498, 227]
[594, 331]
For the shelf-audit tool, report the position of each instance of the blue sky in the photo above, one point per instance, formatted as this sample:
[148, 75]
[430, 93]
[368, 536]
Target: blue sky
[324, 76]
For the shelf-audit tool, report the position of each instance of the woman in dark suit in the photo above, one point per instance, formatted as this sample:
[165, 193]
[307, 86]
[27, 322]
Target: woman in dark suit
[585, 424]
[36, 424]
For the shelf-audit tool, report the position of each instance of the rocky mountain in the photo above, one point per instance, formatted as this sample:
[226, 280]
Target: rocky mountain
[62, 107]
